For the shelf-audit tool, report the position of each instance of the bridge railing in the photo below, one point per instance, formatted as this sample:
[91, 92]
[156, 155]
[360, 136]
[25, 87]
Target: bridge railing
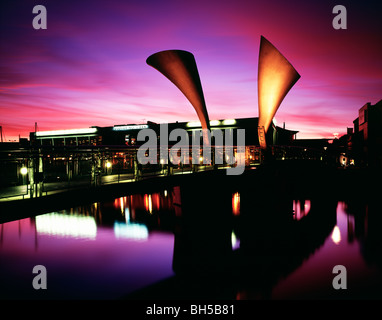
[55, 169]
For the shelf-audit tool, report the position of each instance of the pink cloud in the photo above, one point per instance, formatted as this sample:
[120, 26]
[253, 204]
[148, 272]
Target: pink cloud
[89, 68]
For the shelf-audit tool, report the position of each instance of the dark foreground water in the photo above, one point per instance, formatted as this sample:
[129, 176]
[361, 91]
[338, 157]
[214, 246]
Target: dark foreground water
[286, 249]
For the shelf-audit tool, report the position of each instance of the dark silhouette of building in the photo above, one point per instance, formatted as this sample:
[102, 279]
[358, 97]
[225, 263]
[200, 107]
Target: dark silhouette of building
[362, 145]
[121, 135]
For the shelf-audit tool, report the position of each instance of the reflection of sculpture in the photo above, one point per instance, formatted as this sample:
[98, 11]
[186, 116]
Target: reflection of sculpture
[276, 76]
[180, 68]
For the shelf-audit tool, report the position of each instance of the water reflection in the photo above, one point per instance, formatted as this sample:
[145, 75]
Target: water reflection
[336, 235]
[65, 225]
[300, 208]
[235, 241]
[236, 203]
[312, 279]
[102, 250]
[213, 242]
[135, 231]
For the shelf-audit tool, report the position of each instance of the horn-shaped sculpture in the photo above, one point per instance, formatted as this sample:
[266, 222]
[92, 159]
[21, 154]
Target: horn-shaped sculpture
[276, 76]
[180, 68]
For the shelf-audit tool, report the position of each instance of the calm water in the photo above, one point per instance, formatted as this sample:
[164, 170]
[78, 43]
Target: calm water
[100, 251]
[347, 245]
[108, 250]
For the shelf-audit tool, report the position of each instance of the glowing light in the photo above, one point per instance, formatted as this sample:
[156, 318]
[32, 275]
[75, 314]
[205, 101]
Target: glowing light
[228, 122]
[236, 203]
[165, 193]
[127, 215]
[130, 127]
[24, 171]
[108, 164]
[235, 241]
[193, 124]
[301, 209]
[214, 122]
[134, 231]
[122, 205]
[336, 235]
[196, 124]
[66, 225]
[66, 132]
[148, 203]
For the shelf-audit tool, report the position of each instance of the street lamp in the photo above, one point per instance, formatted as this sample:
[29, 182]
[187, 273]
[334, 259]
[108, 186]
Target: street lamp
[24, 172]
[108, 166]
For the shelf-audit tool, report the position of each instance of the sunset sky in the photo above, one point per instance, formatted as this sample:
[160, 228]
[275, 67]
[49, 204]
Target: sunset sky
[88, 68]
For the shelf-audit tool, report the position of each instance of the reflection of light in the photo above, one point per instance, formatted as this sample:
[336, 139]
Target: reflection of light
[148, 203]
[66, 225]
[127, 215]
[300, 208]
[234, 241]
[134, 231]
[23, 171]
[336, 235]
[236, 203]
[122, 205]
[156, 201]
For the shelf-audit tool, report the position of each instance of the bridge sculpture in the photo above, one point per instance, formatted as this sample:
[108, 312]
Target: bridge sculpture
[276, 76]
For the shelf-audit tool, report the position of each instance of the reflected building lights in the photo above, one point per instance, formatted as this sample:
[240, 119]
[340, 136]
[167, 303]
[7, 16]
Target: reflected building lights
[148, 203]
[236, 204]
[122, 204]
[235, 241]
[127, 215]
[300, 208]
[336, 235]
[66, 225]
[134, 231]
